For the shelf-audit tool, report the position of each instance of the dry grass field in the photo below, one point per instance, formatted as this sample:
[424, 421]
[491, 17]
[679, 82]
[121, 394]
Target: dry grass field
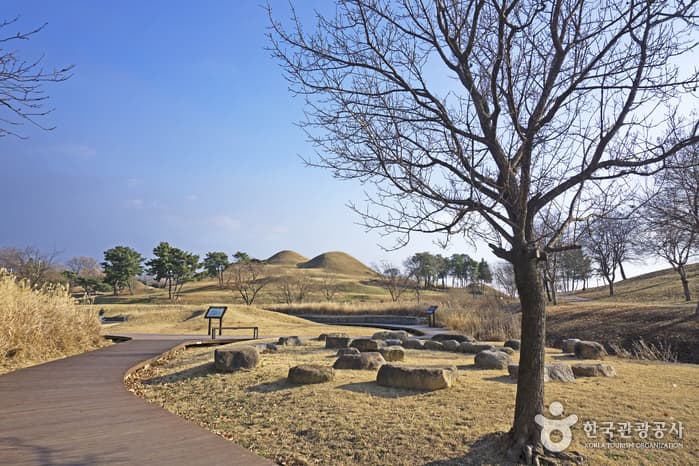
[353, 421]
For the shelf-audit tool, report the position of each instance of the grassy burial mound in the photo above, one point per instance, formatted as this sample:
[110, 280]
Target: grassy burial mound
[39, 325]
[338, 262]
[287, 258]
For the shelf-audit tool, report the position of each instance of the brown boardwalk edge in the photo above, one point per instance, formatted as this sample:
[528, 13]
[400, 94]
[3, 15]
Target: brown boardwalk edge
[76, 411]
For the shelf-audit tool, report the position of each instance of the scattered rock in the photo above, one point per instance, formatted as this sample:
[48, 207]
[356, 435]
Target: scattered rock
[452, 336]
[335, 342]
[308, 373]
[363, 361]
[568, 345]
[593, 370]
[264, 348]
[413, 343]
[552, 372]
[514, 344]
[417, 378]
[505, 349]
[346, 351]
[558, 373]
[290, 341]
[233, 359]
[490, 359]
[451, 345]
[474, 348]
[322, 337]
[393, 353]
[392, 342]
[433, 345]
[589, 350]
[391, 335]
[367, 344]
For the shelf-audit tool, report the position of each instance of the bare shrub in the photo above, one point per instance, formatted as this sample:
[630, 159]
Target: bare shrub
[640, 349]
[41, 324]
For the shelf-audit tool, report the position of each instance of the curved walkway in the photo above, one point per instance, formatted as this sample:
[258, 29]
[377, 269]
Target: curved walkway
[76, 411]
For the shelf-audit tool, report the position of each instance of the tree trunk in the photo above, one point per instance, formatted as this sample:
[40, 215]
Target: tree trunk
[525, 434]
[685, 283]
[621, 269]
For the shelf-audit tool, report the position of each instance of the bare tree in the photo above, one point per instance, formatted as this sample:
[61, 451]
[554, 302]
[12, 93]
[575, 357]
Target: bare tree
[329, 285]
[22, 96]
[393, 280]
[504, 275]
[84, 266]
[672, 214]
[247, 278]
[29, 264]
[470, 117]
[294, 289]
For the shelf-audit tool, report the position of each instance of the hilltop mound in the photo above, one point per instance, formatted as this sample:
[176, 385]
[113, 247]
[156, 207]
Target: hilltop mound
[338, 262]
[286, 257]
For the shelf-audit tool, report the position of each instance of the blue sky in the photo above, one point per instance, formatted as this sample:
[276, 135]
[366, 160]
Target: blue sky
[176, 126]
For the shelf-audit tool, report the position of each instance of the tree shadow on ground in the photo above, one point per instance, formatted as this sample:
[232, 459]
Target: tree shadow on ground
[565, 357]
[374, 389]
[186, 374]
[502, 379]
[489, 449]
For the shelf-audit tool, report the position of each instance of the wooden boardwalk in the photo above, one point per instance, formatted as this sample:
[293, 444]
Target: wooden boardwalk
[76, 411]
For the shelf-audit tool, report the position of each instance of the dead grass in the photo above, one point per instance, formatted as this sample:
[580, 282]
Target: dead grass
[353, 421]
[349, 308]
[640, 349]
[41, 325]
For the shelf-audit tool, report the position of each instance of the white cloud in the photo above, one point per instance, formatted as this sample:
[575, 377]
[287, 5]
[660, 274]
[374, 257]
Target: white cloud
[226, 221]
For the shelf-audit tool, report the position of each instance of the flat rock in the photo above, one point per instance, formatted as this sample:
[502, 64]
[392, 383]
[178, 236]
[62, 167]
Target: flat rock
[264, 348]
[363, 361]
[552, 372]
[433, 345]
[505, 349]
[593, 370]
[347, 351]
[336, 342]
[393, 353]
[308, 373]
[233, 359]
[452, 336]
[367, 344]
[416, 378]
[568, 345]
[451, 345]
[392, 342]
[391, 335]
[490, 359]
[474, 348]
[414, 343]
[290, 341]
[514, 344]
[589, 350]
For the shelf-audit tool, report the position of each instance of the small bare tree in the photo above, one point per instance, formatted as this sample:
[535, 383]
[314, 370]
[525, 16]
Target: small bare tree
[247, 278]
[393, 280]
[22, 96]
[29, 264]
[329, 285]
[470, 117]
[294, 289]
[504, 275]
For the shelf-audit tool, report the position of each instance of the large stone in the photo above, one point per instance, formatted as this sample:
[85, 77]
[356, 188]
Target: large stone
[393, 353]
[290, 341]
[392, 342]
[593, 370]
[233, 359]
[514, 344]
[391, 335]
[414, 343]
[416, 378]
[589, 350]
[451, 345]
[336, 342]
[347, 351]
[568, 345]
[558, 373]
[552, 372]
[308, 373]
[367, 344]
[505, 349]
[363, 361]
[264, 348]
[490, 359]
[452, 336]
[474, 348]
[433, 345]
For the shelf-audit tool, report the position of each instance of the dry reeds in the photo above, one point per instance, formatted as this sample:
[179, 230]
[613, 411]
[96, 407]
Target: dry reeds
[488, 318]
[391, 308]
[640, 349]
[38, 325]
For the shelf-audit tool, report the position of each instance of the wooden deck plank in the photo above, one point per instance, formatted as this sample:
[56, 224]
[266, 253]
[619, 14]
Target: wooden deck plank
[76, 411]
